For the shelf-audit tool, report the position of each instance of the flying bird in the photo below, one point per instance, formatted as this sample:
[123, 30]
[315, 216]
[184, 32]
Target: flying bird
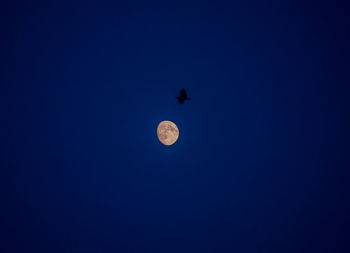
[183, 96]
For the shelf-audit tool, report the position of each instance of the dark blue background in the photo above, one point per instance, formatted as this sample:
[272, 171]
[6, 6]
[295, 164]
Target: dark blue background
[261, 164]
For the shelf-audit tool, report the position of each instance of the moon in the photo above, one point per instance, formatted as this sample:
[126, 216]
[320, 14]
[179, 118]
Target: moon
[167, 132]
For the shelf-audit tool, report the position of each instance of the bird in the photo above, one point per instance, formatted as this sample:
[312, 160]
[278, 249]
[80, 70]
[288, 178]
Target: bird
[183, 96]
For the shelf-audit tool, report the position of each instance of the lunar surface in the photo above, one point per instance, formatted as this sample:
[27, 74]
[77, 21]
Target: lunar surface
[167, 132]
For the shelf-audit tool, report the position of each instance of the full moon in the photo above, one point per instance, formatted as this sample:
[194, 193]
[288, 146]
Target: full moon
[167, 132]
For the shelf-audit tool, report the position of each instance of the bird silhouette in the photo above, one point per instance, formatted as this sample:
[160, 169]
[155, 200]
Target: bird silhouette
[183, 96]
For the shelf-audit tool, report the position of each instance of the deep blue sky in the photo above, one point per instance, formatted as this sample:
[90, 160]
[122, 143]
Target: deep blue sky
[261, 164]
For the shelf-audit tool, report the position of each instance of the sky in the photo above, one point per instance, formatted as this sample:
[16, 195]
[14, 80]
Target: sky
[262, 159]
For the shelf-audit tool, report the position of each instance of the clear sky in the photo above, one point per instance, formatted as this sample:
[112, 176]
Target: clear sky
[262, 157]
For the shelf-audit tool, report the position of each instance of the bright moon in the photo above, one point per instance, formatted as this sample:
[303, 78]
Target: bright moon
[167, 132]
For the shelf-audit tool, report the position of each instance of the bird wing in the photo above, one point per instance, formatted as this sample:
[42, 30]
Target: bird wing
[183, 93]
